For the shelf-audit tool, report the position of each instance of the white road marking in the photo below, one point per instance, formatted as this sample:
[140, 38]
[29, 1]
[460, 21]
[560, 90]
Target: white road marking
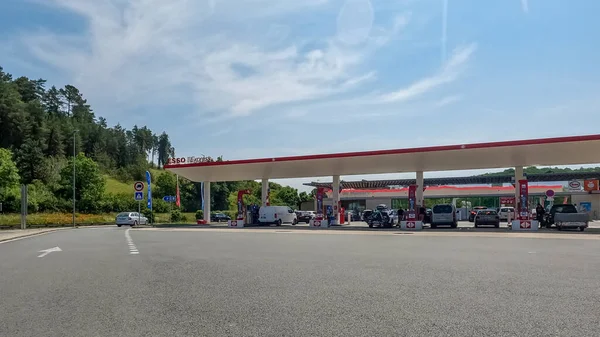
[132, 248]
[48, 251]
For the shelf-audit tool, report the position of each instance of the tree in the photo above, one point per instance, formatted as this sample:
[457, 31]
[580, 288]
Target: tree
[166, 184]
[164, 149]
[89, 183]
[9, 174]
[285, 196]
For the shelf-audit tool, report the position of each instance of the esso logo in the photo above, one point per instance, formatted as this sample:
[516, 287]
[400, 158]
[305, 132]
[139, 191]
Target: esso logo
[172, 161]
[574, 184]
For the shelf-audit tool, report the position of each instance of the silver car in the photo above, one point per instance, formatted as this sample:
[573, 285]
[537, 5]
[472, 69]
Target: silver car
[131, 219]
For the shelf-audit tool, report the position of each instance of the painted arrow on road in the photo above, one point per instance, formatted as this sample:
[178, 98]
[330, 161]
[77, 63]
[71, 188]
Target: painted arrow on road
[48, 251]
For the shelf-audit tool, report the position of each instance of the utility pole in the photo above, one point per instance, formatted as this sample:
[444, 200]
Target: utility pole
[74, 155]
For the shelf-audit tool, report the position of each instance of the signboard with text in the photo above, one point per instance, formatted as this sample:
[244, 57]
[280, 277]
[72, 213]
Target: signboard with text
[523, 206]
[320, 193]
[507, 200]
[189, 160]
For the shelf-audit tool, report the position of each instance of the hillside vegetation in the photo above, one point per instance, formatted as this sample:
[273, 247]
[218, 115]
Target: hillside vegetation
[41, 128]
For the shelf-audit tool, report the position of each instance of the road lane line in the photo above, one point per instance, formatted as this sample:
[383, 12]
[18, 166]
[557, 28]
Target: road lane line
[132, 248]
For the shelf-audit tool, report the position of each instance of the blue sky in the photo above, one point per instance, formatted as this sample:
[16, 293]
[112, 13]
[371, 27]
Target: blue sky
[264, 78]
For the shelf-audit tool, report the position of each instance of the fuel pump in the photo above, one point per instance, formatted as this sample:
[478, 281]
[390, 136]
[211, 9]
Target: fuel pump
[240, 202]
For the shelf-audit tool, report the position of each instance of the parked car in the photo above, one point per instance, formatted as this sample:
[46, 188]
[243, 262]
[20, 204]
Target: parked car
[566, 216]
[444, 214]
[488, 217]
[505, 212]
[305, 216]
[474, 212]
[366, 214]
[276, 215]
[218, 217]
[131, 219]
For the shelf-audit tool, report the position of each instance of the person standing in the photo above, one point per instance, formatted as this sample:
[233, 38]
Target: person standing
[539, 214]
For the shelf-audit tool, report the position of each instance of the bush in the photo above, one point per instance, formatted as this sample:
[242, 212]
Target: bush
[148, 214]
[199, 214]
[176, 216]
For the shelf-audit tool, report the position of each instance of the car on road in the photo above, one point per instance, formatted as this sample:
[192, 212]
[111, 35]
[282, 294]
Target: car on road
[218, 217]
[445, 215]
[305, 216]
[130, 219]
[474, 212]
[487, 217]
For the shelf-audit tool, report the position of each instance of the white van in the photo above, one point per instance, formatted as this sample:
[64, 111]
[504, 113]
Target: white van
[504, 212]
[444, 214]
[277, 215]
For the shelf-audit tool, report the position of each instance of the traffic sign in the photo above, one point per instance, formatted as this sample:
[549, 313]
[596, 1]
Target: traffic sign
[169, 198]
[550, 193]
[138, 196]
[138, 186]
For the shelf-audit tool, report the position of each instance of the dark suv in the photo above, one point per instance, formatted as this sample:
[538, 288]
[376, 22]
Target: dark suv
[218, 217]
[304, 216]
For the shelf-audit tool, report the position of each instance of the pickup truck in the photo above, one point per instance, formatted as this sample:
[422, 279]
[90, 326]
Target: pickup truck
[566, 216]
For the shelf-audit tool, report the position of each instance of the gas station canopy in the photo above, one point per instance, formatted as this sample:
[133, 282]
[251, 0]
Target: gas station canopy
[574, 150]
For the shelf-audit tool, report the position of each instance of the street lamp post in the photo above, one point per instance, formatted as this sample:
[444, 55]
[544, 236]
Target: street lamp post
[74, 155]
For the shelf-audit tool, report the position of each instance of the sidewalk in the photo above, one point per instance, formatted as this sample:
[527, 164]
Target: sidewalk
[11, 234]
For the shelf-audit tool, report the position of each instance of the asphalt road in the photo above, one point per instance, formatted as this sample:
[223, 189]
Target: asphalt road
[297, 283]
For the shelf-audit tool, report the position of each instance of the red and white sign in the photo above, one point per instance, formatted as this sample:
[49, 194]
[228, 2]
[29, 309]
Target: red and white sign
[574, 184]
[526, 224]
[317, 223]
[410, 224]
[138, 186]
[590, 185]
[235, 223]
[507, 200]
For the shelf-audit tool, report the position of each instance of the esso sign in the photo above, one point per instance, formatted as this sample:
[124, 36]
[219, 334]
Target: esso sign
[172, 161]
[574, 184]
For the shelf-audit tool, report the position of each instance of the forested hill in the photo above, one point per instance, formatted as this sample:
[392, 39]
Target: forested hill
[38, 127]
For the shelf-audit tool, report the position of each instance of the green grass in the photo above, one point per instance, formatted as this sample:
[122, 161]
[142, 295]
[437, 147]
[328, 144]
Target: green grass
[117, 187]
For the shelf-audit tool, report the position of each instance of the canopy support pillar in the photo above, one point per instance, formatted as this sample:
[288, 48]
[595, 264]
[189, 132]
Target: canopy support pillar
[264, 194]
[420, 188]
[206, 197]
[336, 199]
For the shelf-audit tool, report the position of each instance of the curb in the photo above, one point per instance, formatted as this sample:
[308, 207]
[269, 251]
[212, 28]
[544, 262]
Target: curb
[32, 234]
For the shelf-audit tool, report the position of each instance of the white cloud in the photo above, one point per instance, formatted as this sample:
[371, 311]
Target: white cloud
[450, 72]
[525, 6]
[166, 52]
[448, 100]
